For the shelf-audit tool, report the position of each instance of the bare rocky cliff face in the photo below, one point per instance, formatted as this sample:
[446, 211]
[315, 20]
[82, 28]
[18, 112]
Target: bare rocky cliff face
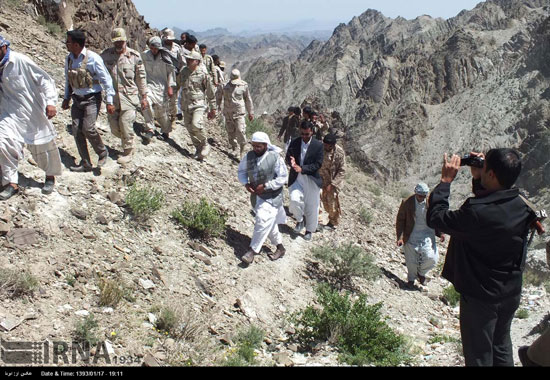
[411, 90]
[98, 19]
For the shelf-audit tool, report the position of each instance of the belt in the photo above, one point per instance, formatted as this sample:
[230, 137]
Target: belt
[86, 97]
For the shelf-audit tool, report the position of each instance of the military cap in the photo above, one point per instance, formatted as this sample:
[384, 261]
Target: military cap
[193, 55]
[118, 34]
[168, 35]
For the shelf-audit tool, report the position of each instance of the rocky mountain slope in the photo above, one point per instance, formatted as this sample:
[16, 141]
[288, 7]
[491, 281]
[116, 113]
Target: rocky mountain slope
[411, 90]
[97, 18]
[83, 233]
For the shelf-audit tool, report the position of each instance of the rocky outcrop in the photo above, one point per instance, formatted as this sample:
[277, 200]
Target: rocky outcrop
[411, 90]
[98, 19]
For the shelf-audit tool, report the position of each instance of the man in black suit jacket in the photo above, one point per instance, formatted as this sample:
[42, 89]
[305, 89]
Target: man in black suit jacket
[305, 157]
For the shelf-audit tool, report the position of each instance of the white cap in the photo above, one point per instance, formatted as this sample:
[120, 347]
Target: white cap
[422, 189]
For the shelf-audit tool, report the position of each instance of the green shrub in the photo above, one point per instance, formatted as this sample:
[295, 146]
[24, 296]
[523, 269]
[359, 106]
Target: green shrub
[451, 295]
[255, 125]
[53, 28]
[356, 329]
[522, 314]
[143, 201]
[85, 330]
[375, 189]
[16, 284]
[347, 261]
[167, 321]
[365, 215]
[246, 342]
[203, 220]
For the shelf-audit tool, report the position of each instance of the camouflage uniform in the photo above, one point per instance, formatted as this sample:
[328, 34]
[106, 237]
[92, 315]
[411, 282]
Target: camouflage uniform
[129, 80]
[208, 64]
[320, 129]
[197, 89]
[160, 76]
[237, 102]
[332, 172]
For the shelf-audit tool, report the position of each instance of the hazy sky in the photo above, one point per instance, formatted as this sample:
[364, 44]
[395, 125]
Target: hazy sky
[239, 15]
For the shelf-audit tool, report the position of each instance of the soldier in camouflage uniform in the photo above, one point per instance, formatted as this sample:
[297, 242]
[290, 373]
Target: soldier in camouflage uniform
[332, 172]
[209, 65]
[129, 80]
[197, 90]
[236, 104]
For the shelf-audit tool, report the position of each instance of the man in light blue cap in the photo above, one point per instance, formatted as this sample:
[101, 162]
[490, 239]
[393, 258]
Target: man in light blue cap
[416, 238]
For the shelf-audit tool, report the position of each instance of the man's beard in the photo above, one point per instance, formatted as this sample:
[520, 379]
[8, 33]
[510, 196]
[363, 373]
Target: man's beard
[260, 154]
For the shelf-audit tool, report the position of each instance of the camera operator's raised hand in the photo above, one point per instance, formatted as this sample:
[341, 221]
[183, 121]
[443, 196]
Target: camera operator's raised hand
[450, 168]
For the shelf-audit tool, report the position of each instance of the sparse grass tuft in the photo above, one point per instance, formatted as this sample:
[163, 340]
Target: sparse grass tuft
[365, 215]
[247, 341]
[86, 330]
[16, 284]
[451, 295]
[112, 292]
[522, 314]
[180, 325]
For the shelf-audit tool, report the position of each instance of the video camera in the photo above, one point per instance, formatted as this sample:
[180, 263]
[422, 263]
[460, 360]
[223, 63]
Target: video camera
[470, 160]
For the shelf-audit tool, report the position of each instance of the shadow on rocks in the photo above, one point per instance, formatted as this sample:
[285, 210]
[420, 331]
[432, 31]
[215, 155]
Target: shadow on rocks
[315, 272]
[67, 159]
[26, 182]
[238, 242]
[397, 281]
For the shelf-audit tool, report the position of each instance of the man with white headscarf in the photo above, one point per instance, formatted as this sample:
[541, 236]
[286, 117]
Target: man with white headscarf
[263, 173]
[416, 238]
[27, 103]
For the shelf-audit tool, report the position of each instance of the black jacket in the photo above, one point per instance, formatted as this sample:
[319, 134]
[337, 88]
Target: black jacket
[312, 161]
[488, 244]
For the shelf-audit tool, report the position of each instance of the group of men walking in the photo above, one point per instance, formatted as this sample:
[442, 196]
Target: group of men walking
[316, 173]
[165, 82]
[488, 233]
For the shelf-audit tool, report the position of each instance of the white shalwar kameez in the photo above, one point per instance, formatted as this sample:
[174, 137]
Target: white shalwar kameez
[421, 248]
[25, 91]
[268, 217]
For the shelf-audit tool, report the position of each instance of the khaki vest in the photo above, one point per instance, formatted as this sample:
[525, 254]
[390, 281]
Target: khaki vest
[80, 77]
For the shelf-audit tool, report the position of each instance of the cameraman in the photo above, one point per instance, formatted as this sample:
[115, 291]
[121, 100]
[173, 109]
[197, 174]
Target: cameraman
[486, 253]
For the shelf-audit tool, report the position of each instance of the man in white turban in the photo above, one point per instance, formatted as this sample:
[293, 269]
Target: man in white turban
[416, 237]
[263, 173]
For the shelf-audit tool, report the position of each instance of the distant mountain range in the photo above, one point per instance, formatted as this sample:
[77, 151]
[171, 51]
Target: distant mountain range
[241, 50]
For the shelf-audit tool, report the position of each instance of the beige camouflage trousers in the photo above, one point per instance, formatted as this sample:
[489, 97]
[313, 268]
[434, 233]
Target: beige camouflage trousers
[122, 126]
[195, 125]
[236, 130]
[331, 204]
